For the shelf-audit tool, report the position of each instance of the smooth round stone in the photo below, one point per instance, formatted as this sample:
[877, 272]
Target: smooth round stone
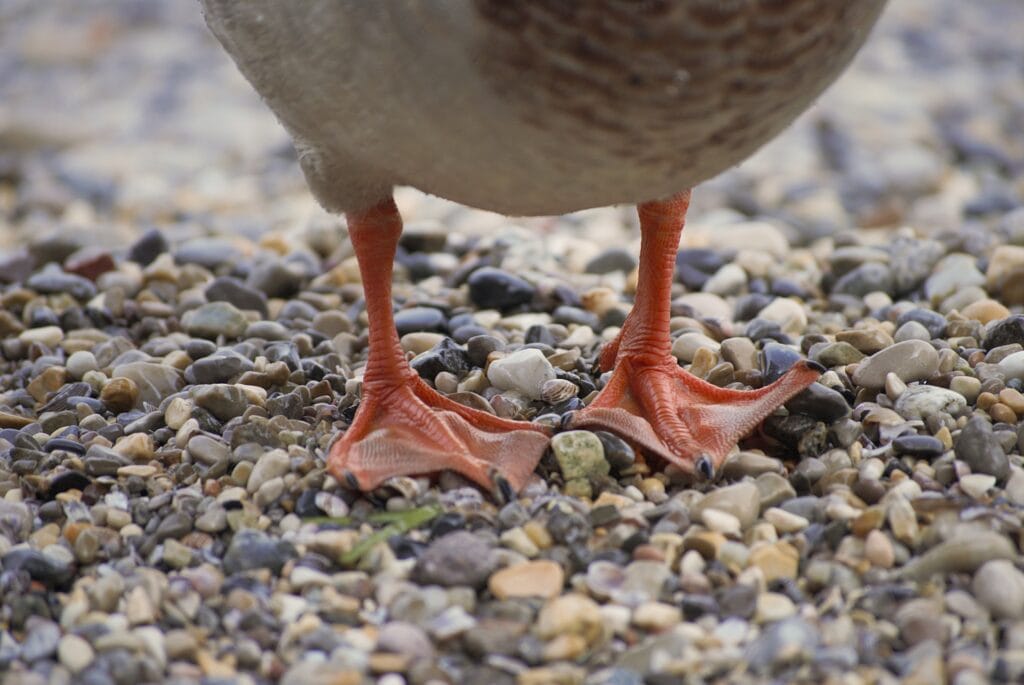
[978, 446]
[921, 446]
[222, 400]
[41, 641]
[580, 454]
[685, 347]
[933, 322]
[785, 522]
[922, 401]
[52, 280]
[75, 653]
[968, 386]
[976, 485]
[81, 363]
[911, 360]
[999, 586]
[154, 381]
[251, 549]
[421, 319]
[524, 371]
[571, 614]
[272, 464]
[741, 500]
[215, 319]
[777, 359]
[49, 336]
[912, 330]
[456, 559]
[1012, 366]
[836, 354]
[233, 291]
[866, 278]
[120, 394]
[218, 368]
[773, 606]
[985, 311]
[787, 313]
[491, 288]
[820, 402]
[730, 279]
[611, 260]
[541, 578]
[865, 340]
[208, 252]
[953, 273]
[740, 352]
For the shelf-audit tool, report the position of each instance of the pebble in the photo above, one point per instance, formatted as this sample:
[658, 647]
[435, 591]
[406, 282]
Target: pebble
[580, 454]
[981, 450]
[741, 500]
[75, 653]
[999, 586]
[541, 578]
[524, 371]
[459, 558]
[911, 360]
[215, 319]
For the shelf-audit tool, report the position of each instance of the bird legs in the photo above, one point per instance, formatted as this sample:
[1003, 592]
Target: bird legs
[650, 400]
[403, 426]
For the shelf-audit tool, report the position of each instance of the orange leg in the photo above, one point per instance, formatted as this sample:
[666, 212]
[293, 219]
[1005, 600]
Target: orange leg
[403, 426]
[650, 400]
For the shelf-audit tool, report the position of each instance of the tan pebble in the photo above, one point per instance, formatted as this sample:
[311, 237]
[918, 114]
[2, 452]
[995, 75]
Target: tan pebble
[975, 485]
[704, 360]
[985, 311]
[903, 520]
[779, 560]
[571, 614]
[894, 386]
[140, 470]
[599, 300]
[773, 606]
[986, 400]
[945, 437]
[1001, 413]
[653, 490]
[706, 542]
[870, 519]
[120, 394]
[720, 521]
[137, 446]
[878, 549]
[565, 648]
[517, 539]
[656, 616]
[538, 534]
[541, 578]
[50, 336]
[784, 521]
[1013, 399]
[50, 380]
[178, 411]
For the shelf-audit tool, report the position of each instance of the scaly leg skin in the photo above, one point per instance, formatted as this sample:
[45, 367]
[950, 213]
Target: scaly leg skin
[650, 400]
[403, 426]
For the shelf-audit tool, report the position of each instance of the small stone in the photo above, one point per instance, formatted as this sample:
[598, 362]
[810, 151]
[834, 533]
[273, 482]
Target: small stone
[540, 578]
[459, 558]
[999, 586]
[272, 464]
[524, 371]
[75, 653]
[251, 549]
[580, 454]
[154, 381]
[491, 288]
[720, 521]
[137, 446]
[120, 394]
[685, 347]
[922, 401]
[865, 340]
[976, 485]
[215, 319]
[656, 616]
[784, 521]
[911, 360]
[960, 554]
[967, 386]
[788, 313]
[741, 500]
[222, 400]
[779, 560]
[1006, 273]
[985, 311]
[773, 606]
[81, 363]
[571, 614]
[49, 336]
[978, 446]
[878, 549]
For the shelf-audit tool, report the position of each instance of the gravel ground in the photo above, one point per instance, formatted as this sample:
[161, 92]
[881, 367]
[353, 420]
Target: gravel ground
[181, 335]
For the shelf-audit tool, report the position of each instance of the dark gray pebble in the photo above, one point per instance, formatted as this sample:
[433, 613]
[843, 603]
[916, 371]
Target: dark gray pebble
[491, 288]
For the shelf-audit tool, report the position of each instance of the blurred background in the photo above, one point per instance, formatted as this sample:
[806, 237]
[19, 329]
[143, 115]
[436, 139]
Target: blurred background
[118, 115]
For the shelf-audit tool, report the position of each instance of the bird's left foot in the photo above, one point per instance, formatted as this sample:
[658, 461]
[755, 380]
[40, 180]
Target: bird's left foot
[670, 413]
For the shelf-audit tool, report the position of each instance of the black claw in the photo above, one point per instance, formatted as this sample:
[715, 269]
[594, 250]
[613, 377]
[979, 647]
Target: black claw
[503, 489]
[820, 368]
[705, 468]
[351, 480]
